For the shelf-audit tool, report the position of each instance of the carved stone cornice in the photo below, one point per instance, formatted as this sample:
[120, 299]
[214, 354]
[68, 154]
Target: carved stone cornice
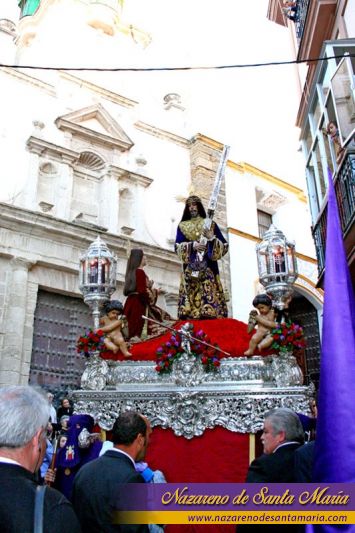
[125, 175]
[26, 78]
[162, 134]
[92, 135]
[96, 89]
[20, 226]
[22, 263]
[53, 151]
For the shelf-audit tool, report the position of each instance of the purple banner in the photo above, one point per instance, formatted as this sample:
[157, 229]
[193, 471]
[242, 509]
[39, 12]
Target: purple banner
[236, 497]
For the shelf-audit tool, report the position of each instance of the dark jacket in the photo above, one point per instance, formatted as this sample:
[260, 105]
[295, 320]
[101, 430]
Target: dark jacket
[95, 490]
[304, 462]
[17, 498]
[64, 411]
[277, 467]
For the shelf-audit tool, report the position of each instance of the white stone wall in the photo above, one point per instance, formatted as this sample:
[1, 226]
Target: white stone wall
[290, 214]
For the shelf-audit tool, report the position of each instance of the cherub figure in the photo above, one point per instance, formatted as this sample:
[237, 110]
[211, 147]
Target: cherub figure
[112, 324]
[265, 320]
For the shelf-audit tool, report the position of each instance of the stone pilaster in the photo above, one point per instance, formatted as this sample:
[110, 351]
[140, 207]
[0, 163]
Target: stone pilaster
[109, 198]
[65, 187]
[31, 302]
[14, 322]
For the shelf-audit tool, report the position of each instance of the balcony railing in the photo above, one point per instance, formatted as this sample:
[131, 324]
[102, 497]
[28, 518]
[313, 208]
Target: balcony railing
[300, 22]
[345, 194]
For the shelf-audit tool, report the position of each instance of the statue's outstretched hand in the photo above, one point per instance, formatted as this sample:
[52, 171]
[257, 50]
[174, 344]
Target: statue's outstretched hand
[198, 247]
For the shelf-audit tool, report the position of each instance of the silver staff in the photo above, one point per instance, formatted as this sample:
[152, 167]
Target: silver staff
[213, 198]
[182, 333]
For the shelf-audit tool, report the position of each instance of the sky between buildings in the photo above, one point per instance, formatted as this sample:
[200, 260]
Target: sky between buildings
[251, 109]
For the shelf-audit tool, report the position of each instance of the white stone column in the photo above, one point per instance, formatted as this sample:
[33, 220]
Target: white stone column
[65, 189]
[31, 302]
[109, 196]
[14, 322]
[29, 192]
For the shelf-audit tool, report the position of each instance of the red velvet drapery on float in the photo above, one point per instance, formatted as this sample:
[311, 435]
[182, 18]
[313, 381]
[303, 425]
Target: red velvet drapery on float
[231, 336]
[219, 455]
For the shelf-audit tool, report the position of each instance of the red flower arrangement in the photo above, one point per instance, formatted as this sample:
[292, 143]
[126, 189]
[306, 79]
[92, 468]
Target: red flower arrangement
[92, 341]
[171, 350]
[288, 337]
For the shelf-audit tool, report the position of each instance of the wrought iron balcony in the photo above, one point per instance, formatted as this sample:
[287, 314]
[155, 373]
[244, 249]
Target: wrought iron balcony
[345, 193]
[300, 22]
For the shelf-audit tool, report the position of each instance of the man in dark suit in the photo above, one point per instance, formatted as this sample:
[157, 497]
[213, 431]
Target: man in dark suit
[24, 415]
[96, 484]
[282, 435]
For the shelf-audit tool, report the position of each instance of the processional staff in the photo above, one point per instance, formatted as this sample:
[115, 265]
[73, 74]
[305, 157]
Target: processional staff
[213, 199]
[184, 333]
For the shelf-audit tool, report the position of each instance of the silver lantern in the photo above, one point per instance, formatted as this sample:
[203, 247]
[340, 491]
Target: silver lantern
[97, 276]
[277, 266]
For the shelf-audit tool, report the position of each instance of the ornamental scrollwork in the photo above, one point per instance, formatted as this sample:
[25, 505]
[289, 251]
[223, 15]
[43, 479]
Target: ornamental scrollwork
[189, 400]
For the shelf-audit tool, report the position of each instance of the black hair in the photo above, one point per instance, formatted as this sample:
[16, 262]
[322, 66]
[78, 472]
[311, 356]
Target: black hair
[262, 299]
[201, 210]
[112, 305]
[133, 263]
[127, 427]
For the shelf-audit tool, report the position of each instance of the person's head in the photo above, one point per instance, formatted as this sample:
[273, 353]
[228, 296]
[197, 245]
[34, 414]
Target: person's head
[131, 433]
[263, 303]
[50, 397]
[24, 415]
[112, 308]
[313, 407]
[281, 425]
[193, 208]
[64, 420]
[332, 128]
[62, 441]
[136, 259]
[65, 403]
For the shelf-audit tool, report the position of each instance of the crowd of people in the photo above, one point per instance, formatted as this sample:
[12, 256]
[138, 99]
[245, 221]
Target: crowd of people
[41, 446]
[90, 501]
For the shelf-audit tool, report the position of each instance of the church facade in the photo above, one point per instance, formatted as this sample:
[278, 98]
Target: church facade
[84, 155]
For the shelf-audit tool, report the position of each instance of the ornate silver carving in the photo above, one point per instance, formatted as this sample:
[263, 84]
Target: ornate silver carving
[188, 371]
[285, 370]
[189, 400]
[84, 438]
[95, 374]
[189, 413]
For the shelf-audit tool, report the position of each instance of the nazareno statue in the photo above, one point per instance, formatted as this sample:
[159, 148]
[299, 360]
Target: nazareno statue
[201, 293]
